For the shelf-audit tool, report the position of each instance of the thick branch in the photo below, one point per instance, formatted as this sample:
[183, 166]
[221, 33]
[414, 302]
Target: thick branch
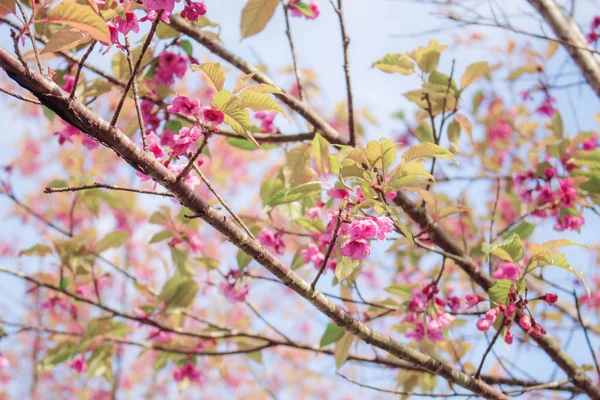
[567, 30]
[75, 113]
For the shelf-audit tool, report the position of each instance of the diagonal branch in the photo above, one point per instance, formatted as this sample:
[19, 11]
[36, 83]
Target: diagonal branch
[573, 41]
[185, 27]
[75, 113]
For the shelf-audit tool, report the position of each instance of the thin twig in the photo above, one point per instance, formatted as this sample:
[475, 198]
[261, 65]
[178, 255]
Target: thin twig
[288, 32]
[403, 393]
[587, 335]
[80, 67]
[507, 228]
[38, 60]
[332, 243]
[223, 202]
[17, 96]
[493, 220]
[193, 158]
[136, 95]
[489, 348]
[346, 42]
[104, 186]
[145, 46]
[270, 325]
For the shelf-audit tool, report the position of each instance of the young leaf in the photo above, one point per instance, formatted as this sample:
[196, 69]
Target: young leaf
[342, 348]
[255, 16]
[429, 61]
[346, 266]
[260, 102]
[381, 154]
[473, 72]
[424, 150]
[81, 17]
[40, 250]
[214, 73]
[499, 292]
[395, 63]
[509, 250]
[111, 241]
[66, 39]
[332, 334]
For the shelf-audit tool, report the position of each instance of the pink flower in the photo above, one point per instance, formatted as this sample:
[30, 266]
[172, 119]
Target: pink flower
[525, 322]
[183, 105]
[501, 130]
[130, 23]
[113, 31]
[507, 270]
[550, 173]
[339, 194]
[4, 363]
[158, 335]
[568, 193]
[79, 364]
[196, 244]
[270, 238]
[391, 195]
[591, 143]
[188, 371]
[186, 140]
[510, 310]
[537, 331]
[312, 254]
[359, 196]
[89, 143]
[508, 338]
[418, 333]
[488, 320]
[232, 293]
[151, 120]
[295, 10]
[365, 228]
[473, 299]
[315, 212]
[167, 138]
[569, 222]
[153, 146]
[192, 11]
[69, 83]
[212, 116]
[266, 121]
[66, 134]
[170, 65]
[157, 5]
[551, 298]
[546, 108]
[356, 248]
[384, 226]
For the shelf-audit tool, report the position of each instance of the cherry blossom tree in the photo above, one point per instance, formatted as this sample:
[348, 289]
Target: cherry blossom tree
[181, 221]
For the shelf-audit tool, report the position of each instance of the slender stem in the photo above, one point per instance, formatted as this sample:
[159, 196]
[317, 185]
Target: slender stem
[493, 220]
[16, 96]
[350, 103]
[332, 244]
[38, 59]
[104, 186]
[136, 67]
[587, 335]
[288, 32]
[489, 348]
[80, 67]
[223, 202]
[193, 158]
[136, 95]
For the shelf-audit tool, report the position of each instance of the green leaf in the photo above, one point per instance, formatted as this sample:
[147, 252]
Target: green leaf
[522, 70]
[295, 194]
[260, 102]
[395, 63]
[473, 73]
[58, 354]
[381, 154]
[342, 348]
[320, 152]
[214, 73]
[244, 144]
[111, 241]
[208, 262]
[424, 150]
[100, 363]
[66, 39]
[178, 292]
[524, 230]
[548, 254]
[63, 283]
[404, 290]
[558, 128]
[182, 263]
[81, 17]
[346, 266]
[186, 45]
[243, 259]
[332, 334]
[454, 132]
[499, 292]
[508, 250]
[160, 236]
[429, 61]
[40, 250]
[255, 16]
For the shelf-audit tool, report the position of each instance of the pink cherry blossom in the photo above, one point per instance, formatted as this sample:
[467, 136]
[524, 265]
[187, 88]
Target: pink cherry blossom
[89, 143]
[473, 299]
[384, 226]
[510, 310]
[501, 130]
[339, 194]
[507, 270]
[212, 116]
[591, 143]
[525, 322]
[233, 293]
[183, 105]
[551, 298]
[546, 108]
[153, 146]
[186, 140]
[312, 254]
[187, 371]
[270, 238]
[193, 10]
[365, 228]
[569, 222]
[356, 248]
[79, 364]
[158, 335]
[130, 23]
[157, 5]
[508, 338]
